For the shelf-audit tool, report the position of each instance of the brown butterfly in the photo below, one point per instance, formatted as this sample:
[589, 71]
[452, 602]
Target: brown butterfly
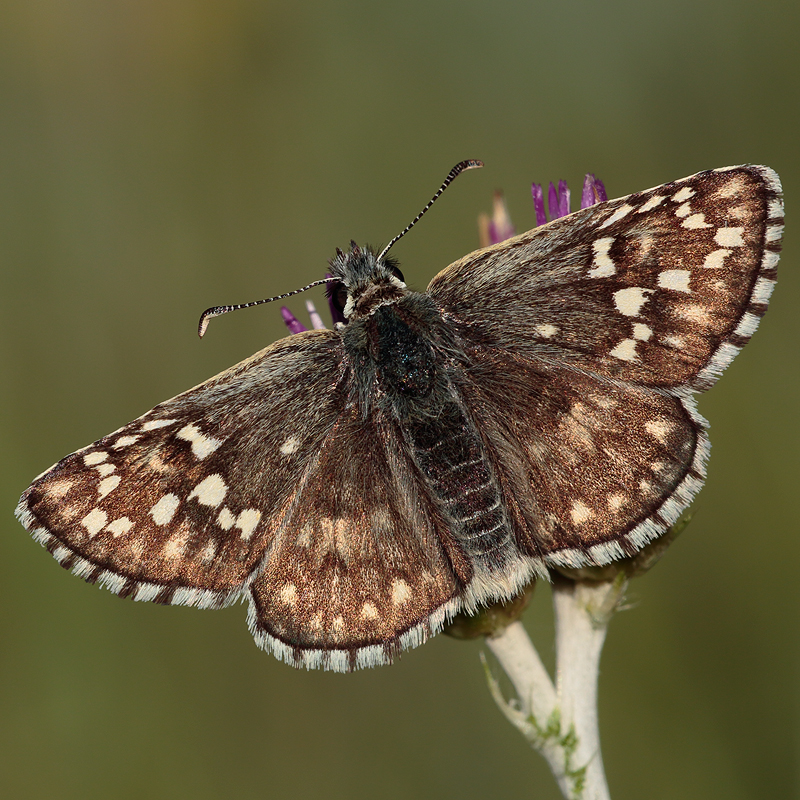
[359, 486]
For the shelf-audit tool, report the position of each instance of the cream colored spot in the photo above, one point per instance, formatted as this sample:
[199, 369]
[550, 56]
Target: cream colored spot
[208, 552]
[368, 611]
[94, 458]
[304, 537]
[226, 520]
[733, 187]
[316, 622]
[580, 512]
[247, 521]
[729, 237]
[290, 446]
[695, 221]
[655, 201]
[625, 350]
[210, 491]
[401, 591]
[683, 211]
[616, 501]
[683, 194]
[603, 401]
[675, 279]
[94, 521]
[120, 526]
[125, 441]
[645, 487]
[676, 342]
[630, 301]
[642, 332]
[338, 624]
[105, 469]
[59, 489]
[288, 594]
[603, 264]
[107, 485]
[694, 313]
[163, 511]
[202, 445]
[659, 428]
[715, 259]
[175, 546]
[621, 212]
[136, 547]
[546, 331]
[154, 424]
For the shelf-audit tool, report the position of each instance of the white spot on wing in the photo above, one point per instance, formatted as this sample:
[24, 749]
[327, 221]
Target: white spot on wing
[202, 445]
[630, 301]
[154, 424]
[94, 458]
[105, 469]
[210, 491]
[655, 201]
[124, 441]
[729, 237]
[683, 194]
[120, 526]
[683, 211]
[94, 521]
[715, 259]
[546, 331]
[226, 519]
[580, 512]
[288, 594]
[163, 511]
[625, 350]
[695, 221]
[401, 591]
[642, 332]
[659, 428]
[621, 212]
[107, 485]
[603, 265]
[247, 521]
[675, 279]
[290, 446]
[174, 547]
[368, 611]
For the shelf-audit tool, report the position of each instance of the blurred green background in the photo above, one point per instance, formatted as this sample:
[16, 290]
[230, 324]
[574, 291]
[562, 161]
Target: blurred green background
[160, 157]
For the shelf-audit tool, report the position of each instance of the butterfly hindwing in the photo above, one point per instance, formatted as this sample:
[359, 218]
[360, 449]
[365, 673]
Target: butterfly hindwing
[592, 469]
[364, 565]
[662, 287]
[180, 505]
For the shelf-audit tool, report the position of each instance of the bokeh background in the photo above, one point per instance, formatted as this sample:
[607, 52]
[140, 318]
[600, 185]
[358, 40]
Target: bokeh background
[161, 156]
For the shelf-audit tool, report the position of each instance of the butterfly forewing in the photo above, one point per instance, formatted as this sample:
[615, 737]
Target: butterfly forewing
[180, 505]
[662, 287]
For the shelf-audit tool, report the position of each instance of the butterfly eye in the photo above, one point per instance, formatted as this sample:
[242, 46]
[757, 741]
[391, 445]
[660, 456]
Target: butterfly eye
[396, 272]
[338, 296]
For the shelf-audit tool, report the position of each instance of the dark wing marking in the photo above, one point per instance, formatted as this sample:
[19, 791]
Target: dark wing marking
[662, 287]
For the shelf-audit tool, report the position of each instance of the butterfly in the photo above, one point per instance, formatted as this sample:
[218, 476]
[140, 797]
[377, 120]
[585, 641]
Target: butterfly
[362, 485]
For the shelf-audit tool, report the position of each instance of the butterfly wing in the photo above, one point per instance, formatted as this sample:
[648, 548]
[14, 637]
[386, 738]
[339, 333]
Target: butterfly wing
[262, 478]
[587, 337]
[591, 469]
[180, 505]
[662, 287]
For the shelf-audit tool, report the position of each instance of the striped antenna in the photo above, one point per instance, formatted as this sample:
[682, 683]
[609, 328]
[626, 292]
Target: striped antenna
[217, 311]
[451, 176]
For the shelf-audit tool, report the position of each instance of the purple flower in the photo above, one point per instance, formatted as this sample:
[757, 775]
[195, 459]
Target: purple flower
[558, 199]
[295, 326]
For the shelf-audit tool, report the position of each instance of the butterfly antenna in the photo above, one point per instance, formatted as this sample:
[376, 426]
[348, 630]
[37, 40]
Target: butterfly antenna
[217, 311]
[451, 176]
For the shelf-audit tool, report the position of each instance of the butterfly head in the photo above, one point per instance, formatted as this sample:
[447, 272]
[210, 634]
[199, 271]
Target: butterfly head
[365, 281]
